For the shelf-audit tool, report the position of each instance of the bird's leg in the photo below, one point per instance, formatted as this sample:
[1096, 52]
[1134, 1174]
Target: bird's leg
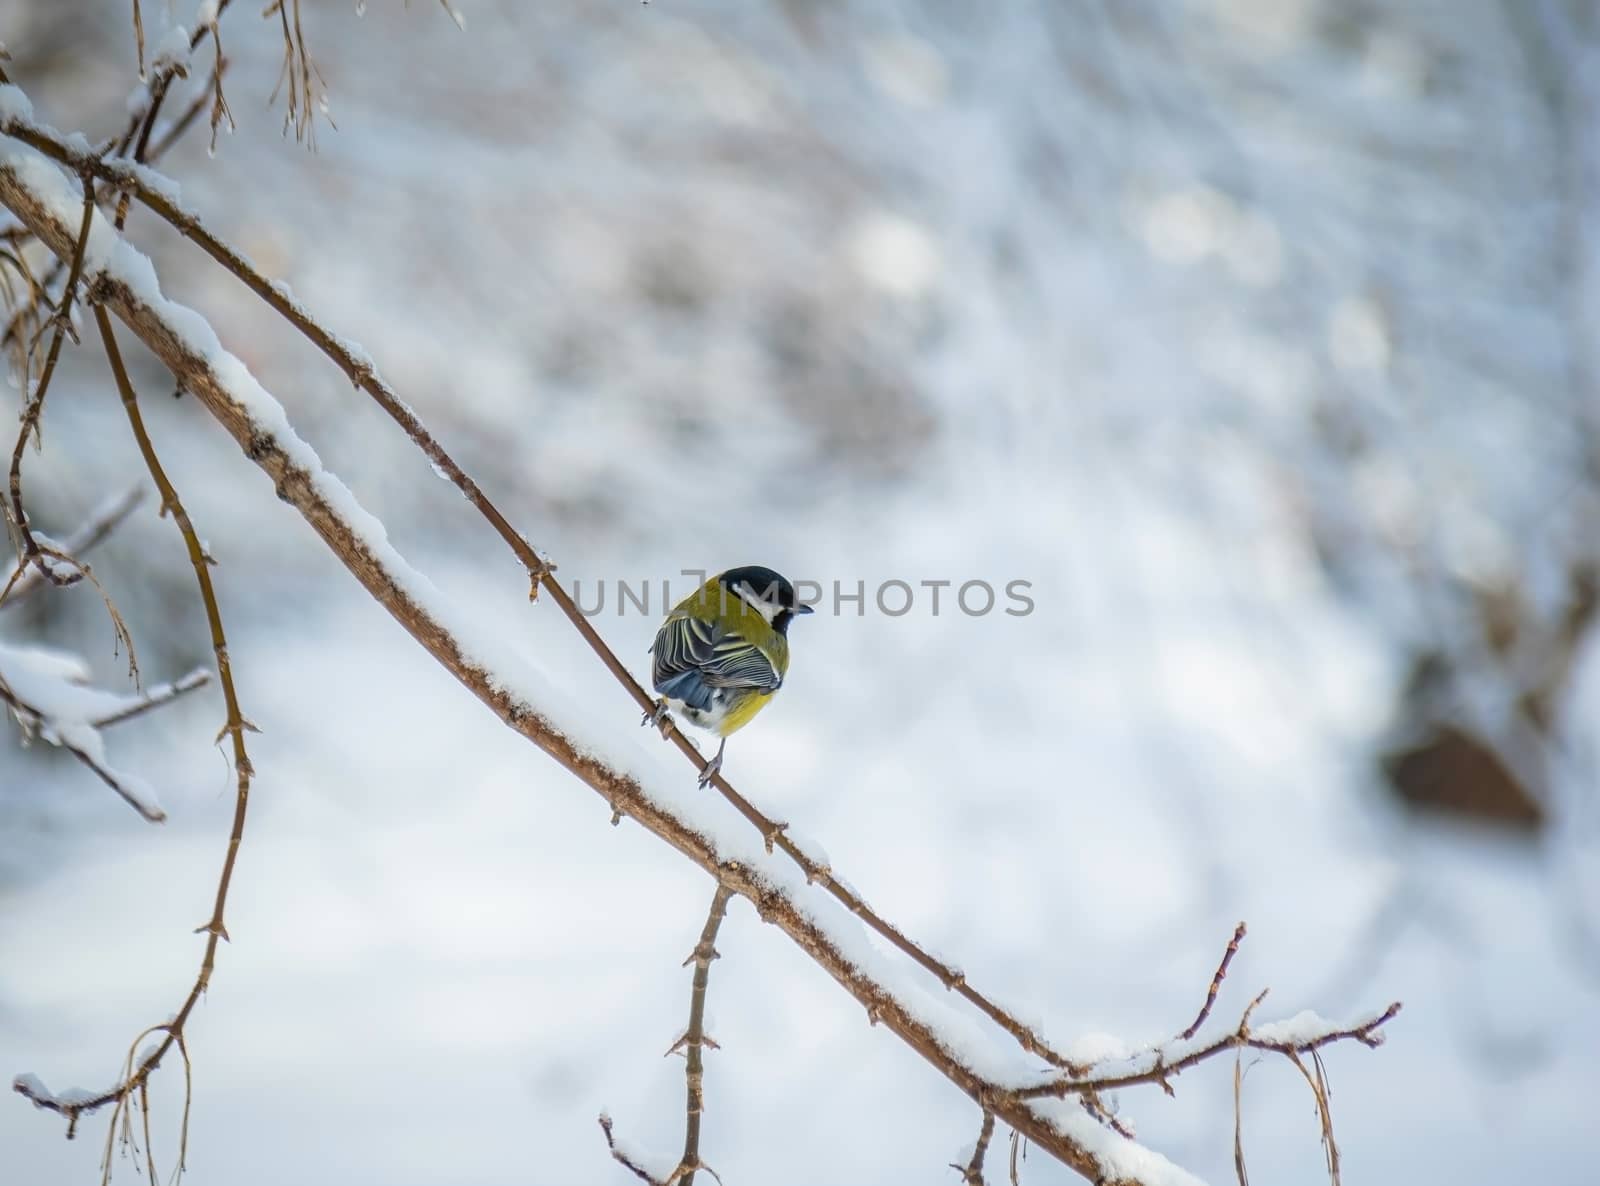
[659, 717]
[714, 765]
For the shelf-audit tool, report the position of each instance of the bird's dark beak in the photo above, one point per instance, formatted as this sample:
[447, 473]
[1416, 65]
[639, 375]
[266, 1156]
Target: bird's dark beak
[804, 609]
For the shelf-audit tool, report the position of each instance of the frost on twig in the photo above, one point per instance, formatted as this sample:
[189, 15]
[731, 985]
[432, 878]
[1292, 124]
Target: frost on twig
[1296, 1038]
[49, 695]
[25, 579]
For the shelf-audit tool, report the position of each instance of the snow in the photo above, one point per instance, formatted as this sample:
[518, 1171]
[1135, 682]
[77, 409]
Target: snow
[53, 684]
[1225, 604]
[1118, 1157]
[1305, 1026]
[172, 51]
[42, 1096]
[14, 105]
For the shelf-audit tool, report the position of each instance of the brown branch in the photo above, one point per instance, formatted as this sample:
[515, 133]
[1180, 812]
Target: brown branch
[972, 1172]
[30, 552]
[138, 34]
[1238, 1117]
[363, 375]
[1216, 982]
[695, 1037]
[236, 725]
[305, 491]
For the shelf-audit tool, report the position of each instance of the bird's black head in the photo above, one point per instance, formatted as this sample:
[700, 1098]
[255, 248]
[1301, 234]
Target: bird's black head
[769, 593]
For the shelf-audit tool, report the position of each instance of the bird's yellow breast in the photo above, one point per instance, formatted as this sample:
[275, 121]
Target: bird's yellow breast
[741, 712]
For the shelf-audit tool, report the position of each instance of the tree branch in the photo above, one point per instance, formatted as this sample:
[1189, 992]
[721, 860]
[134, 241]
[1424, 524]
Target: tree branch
[694, 1037]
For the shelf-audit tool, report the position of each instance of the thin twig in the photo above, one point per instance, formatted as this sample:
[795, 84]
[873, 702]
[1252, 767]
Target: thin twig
[621, 1157]
[236, 725]
[691, 1042]
[1216, 982]
[1163, 1068]
[1238, 1117]
[972, 1172]
[33, 718]
[695, 1037]
[157, 696]
[29, 547]
[25, 579]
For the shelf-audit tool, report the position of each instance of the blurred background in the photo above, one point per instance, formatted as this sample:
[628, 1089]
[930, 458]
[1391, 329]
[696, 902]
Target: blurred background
[1258, 335]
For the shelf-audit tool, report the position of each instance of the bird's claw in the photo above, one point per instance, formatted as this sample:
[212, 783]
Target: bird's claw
[658, 717]
[710, 770]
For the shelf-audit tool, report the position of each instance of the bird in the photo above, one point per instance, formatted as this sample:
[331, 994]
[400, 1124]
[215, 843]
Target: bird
[720, 656]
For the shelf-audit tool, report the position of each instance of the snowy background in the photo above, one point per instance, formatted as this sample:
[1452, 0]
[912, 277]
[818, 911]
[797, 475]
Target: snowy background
[1256, 334]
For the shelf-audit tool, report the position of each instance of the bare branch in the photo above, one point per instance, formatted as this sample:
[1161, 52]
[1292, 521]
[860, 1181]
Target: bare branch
[29, 549]
[695, 1036]
[623, 1157]
[693, 1039]
[135, 1078]
[972, 1172]
[1238, 1117]
[1216, 982]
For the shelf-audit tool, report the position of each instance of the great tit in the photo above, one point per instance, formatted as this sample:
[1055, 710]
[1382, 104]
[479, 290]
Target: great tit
[722, 653]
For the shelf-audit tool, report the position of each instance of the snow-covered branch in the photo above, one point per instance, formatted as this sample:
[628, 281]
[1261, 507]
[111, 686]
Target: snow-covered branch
[50, 696]
[1300, 1034]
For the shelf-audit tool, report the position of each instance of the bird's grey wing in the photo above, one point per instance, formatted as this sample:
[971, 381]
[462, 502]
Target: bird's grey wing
[682, 646]
[738, 663]
[691, 657]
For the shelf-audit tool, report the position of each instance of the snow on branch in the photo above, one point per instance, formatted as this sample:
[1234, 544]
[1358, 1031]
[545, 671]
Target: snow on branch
[49, 695]
[102, 522]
